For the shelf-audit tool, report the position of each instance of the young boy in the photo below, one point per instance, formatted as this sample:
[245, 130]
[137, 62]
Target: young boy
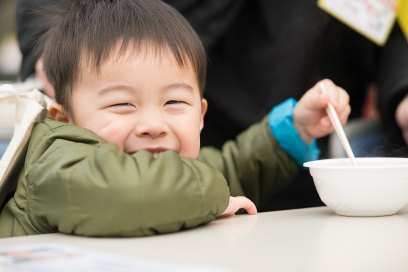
[122, 156]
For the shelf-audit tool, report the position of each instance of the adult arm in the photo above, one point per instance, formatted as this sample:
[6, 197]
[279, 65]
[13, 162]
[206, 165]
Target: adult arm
[393, 83]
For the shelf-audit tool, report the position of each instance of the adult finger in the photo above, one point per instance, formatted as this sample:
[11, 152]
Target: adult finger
[405, 136]
[401, 114]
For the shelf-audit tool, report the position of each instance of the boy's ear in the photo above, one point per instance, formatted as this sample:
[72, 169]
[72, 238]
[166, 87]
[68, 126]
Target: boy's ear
[204, 107]
[57, 113]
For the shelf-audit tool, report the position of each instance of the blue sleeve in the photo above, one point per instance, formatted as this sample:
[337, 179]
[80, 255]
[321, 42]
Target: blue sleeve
[280, 122]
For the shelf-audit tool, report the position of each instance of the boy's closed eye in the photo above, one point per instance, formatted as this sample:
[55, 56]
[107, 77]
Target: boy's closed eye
[122, 104]
[175, 102]
[126, 107]
[122, 108]
[176, 106]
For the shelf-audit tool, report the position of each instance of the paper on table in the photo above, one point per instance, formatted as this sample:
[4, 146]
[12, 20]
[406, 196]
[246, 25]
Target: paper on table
[51, 257]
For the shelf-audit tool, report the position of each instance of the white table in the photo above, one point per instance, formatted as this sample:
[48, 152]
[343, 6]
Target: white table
[297, 240]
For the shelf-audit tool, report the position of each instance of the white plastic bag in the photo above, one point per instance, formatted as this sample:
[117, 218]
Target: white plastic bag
[31, 107]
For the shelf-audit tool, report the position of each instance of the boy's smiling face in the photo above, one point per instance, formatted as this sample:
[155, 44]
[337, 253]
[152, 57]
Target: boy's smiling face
[140, 103]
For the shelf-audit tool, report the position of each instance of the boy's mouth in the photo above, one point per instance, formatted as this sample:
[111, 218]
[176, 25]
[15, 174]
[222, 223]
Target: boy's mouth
[154, 150]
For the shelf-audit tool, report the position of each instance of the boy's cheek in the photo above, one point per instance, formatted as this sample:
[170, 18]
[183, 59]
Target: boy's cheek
[189, 140]
[188, 133]
[190, 152]
[112, 131]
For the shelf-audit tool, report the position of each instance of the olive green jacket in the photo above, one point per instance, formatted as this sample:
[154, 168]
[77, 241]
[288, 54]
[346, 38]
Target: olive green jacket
[74, 182]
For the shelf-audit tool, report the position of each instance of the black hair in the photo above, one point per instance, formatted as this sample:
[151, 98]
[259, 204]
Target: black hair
[91, 30]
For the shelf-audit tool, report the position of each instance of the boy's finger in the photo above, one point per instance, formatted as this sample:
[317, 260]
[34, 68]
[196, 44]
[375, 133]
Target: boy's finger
[230, 208]
[323, 100]
[247, 204]
[325, 124]
[343, 101]
[344, 109]
[332, 91]
[343, 116]
[314, 99]
[334, 102]
[343, 95]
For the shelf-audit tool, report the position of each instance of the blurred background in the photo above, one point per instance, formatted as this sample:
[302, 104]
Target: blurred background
[10, 56]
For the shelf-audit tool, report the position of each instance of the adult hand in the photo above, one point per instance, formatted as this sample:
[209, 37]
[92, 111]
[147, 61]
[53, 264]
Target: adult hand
[401, 116]
[309, 115]
[238, 202]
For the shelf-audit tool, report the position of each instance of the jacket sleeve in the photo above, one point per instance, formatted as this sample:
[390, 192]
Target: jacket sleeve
[88, 190]
[211, 19]
[254, 165]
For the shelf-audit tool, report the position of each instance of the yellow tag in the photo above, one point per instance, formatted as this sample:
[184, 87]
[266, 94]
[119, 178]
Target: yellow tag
[402, 14]
[372, 18]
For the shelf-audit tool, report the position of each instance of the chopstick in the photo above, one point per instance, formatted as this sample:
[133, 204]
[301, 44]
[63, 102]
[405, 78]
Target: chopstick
[331, 112]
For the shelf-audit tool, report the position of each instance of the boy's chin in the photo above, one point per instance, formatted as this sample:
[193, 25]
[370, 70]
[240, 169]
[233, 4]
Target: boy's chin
[190, 154]
[155, 152]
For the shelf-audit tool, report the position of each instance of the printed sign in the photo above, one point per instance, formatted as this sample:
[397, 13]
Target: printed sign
[372, 18]
[402, 13]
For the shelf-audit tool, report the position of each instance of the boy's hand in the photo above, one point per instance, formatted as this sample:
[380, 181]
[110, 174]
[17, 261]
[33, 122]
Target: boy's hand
[238, 202]
[309, 115]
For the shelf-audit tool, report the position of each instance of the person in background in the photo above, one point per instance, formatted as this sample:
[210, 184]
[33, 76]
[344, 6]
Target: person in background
[30, 26]
[35, 78]
[264, 51]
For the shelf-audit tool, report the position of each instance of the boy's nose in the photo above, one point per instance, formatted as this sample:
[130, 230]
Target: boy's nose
[152, 126]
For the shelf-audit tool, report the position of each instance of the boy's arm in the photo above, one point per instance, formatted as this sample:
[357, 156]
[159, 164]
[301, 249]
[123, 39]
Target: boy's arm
[92, 190]
[258, 164]
[254, 165]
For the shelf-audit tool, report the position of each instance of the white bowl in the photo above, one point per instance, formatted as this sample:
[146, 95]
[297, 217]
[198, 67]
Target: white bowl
[376, 187]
